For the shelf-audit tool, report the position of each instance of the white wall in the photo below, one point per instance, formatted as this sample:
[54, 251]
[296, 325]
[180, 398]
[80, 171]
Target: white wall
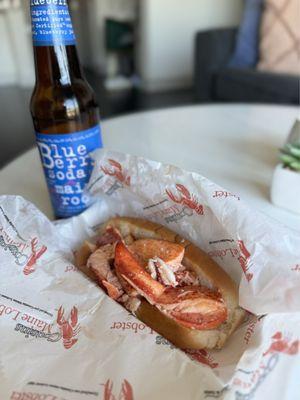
[16, 66]
[166, 37]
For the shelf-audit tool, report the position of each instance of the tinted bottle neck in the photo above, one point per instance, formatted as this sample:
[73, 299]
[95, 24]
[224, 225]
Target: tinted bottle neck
[54, 43]
[57, 65]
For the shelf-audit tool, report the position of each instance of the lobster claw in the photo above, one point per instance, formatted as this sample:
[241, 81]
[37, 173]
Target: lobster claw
[74, 317]
[277, 336]
[105, 171]
[172, 197]
[183, 190]
[115, 164]
[116, 171]
[35, 254]
[126, 391]
[108, 395]
[34, 242]
[243, 249]
[244, 264]
[294, 348]
[60, 316]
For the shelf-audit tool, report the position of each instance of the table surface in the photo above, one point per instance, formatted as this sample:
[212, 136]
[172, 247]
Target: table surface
[235, 146]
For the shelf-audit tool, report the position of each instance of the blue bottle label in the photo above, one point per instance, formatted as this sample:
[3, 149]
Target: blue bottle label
[51, 23]
[68, 166]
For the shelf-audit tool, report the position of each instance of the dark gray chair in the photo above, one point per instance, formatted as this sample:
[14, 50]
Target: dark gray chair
[216, 81]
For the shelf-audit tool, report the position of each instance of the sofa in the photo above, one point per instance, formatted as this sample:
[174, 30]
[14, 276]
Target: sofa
[215, 81]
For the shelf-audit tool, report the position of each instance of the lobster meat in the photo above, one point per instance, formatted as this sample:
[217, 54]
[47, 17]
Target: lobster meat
[166, 281]
[194, 307]
[100, 263]
[152, 269]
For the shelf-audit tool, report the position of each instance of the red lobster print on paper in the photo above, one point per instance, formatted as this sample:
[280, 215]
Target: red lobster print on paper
[35, 255]
[116, 170]
[244, 259]
[281, 344]
[202, 356]
[69, 327]
[186, 199]
[125, 394]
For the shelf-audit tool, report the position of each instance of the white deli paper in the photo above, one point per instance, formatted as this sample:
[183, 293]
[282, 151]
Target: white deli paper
[62, 338]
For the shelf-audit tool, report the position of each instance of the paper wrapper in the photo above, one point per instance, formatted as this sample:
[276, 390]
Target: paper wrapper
[62, 338]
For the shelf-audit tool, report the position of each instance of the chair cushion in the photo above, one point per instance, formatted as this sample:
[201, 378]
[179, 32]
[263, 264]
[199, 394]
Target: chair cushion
[249, 85]
[280, 37]
[246, 48]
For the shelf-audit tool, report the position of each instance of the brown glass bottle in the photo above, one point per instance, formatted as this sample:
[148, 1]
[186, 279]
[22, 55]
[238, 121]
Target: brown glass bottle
[63, 107]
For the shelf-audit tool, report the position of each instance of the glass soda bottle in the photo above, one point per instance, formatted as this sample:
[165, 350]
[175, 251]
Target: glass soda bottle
[63, 107]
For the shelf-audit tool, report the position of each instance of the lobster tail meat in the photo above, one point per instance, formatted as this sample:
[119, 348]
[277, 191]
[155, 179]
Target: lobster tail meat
[130, 269]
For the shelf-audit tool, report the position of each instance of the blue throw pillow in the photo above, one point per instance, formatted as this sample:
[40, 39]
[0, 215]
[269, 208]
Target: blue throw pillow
[246, 52]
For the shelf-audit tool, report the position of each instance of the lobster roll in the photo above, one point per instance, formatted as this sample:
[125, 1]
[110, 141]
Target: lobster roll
[166, 281]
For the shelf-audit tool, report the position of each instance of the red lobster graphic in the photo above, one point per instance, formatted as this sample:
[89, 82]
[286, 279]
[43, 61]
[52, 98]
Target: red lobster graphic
[282, 345]
[126, 391]
[69, 330]
[201, 356]
[185, 198]
[117, 172]
[244, 259]
[35, 255]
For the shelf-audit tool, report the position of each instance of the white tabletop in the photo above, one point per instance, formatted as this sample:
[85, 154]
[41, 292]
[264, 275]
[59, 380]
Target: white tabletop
[235, 146]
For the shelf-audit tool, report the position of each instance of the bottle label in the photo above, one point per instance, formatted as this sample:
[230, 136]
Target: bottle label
[68, 166]
[51, 23]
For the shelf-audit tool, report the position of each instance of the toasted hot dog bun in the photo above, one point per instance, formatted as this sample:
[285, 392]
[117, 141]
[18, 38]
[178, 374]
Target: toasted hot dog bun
[210, 274]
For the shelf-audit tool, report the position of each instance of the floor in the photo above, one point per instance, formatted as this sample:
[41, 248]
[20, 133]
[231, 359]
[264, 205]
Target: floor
[16, 130]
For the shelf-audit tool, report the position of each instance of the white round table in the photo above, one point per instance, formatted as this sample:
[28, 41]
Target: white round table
[235, 146]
